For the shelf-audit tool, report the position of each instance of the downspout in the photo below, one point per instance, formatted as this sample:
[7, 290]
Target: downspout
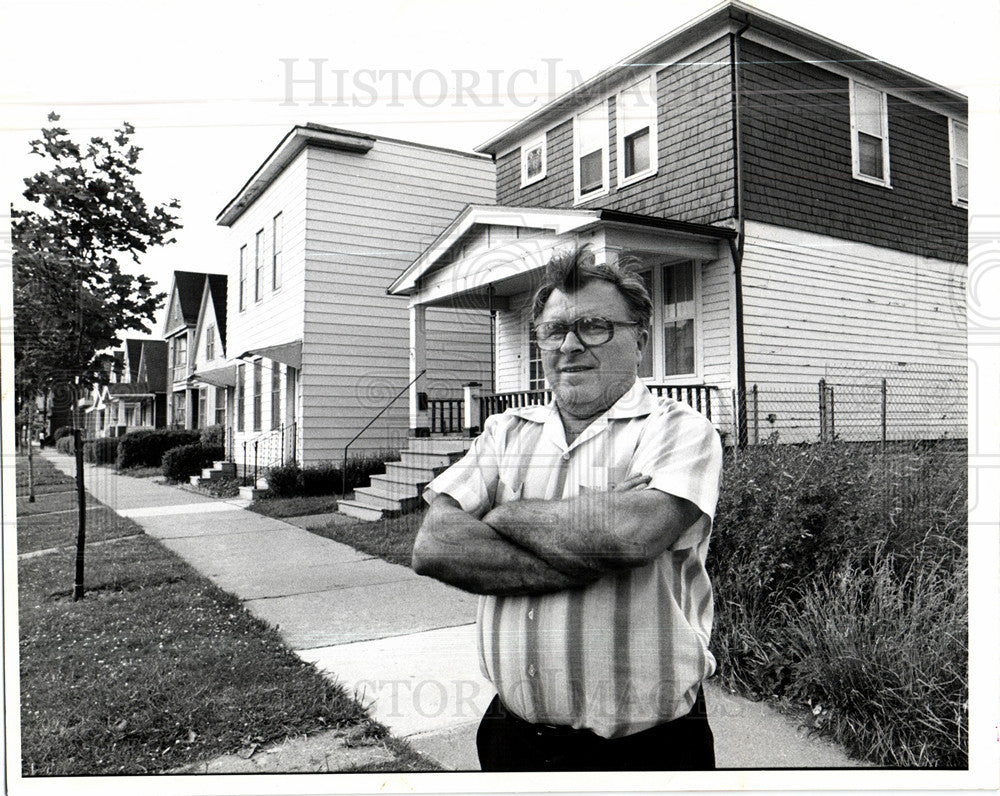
[736, 247]
[490, 292]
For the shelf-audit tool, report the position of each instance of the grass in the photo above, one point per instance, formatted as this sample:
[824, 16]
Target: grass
[294, 506]
[390, 538]
[155, 667]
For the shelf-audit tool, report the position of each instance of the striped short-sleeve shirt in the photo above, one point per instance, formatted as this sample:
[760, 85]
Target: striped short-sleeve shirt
[628, 651]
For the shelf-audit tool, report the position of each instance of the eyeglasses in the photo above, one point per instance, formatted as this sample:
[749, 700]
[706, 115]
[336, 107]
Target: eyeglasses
[589, 331]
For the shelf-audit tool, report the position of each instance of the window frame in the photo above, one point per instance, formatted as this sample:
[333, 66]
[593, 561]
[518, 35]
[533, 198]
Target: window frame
[243, 279]
[538, 142]
[955, 161]
[210, 342]
[885, 180]
[277, 249]
[258, 394]
[657, 337]
[650, 118]
[275, 396]
[258, 266]
[220, 406]
[240, 407]
[578, 196]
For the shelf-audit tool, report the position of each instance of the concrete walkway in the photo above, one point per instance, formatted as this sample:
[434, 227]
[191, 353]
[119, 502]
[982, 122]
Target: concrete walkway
[403, 644]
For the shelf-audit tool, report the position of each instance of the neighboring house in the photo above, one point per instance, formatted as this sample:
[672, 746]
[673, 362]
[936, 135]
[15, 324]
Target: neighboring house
[185, 408]
[135, 395]
[798, 211]
[318, 231]
[211, 377]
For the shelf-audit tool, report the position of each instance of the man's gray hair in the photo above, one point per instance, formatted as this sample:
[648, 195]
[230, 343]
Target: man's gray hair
[571, 269]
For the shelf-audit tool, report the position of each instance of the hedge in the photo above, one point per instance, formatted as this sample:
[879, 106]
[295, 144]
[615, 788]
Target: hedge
[182, 462]
[62, 431]
[291, 480]
[65, 445]
[145, 448]
[103, 450]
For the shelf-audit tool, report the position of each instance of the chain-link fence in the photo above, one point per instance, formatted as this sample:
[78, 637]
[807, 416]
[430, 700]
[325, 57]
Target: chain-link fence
[885, 403]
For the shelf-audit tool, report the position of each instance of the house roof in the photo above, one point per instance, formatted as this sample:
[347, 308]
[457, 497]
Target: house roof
[217, 286]
[293, 142]
[554, 222]
[133, 350]
[735, 17]
[188, 287]
[153, 364]
[135, 390]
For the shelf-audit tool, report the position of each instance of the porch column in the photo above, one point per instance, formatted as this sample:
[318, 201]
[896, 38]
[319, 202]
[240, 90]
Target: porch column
[419, 417]
[472, 424]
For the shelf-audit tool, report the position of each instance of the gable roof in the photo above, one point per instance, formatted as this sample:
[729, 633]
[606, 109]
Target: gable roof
[729, 17]
[133, 351]
[153, 364]
[217, 286]
[185, 300]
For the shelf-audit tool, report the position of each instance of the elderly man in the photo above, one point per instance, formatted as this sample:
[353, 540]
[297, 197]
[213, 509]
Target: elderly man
[585, 524]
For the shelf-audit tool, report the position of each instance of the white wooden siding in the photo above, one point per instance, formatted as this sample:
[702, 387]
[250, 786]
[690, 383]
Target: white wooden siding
[819, 307]
[369, 216]
[512, 347]
[278, 317]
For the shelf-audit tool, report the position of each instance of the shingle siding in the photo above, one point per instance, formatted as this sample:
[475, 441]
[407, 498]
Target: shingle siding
[797, 166]
[694, 178]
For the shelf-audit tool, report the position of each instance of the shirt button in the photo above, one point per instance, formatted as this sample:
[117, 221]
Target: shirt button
[531, 670]
[531, 614]
[565, 457]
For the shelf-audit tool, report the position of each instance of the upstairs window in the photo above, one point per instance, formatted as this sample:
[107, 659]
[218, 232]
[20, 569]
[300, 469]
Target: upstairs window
[869, 134]
[958, 134]
[210, 342]
[276, 256]
[590, 155]
[636, 131]
[533, 161]
[243, 278]
[258, 266]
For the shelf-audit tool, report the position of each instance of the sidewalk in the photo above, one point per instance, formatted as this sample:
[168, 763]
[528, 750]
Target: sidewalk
[402, 643]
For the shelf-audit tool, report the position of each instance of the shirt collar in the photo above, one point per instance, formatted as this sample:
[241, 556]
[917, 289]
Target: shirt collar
[637, 401]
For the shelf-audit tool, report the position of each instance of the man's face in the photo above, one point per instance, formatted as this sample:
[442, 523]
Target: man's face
[587, 381]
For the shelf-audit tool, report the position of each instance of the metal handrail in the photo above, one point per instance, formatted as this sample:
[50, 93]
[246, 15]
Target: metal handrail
[343, 471]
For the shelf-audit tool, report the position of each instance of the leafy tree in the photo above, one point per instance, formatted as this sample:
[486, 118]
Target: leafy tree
[71, 298]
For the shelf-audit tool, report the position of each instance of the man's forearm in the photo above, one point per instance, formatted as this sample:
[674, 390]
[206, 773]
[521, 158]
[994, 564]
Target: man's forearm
[597, 532]
[458, 549]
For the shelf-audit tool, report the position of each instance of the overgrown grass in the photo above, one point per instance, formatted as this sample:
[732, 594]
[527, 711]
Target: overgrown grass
[155, 667]
[840, 577]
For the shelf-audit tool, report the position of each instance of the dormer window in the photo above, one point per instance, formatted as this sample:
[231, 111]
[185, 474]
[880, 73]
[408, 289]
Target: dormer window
[636, 131]
[958, 135]
[590, 147]
[533, 161]
[869, 134]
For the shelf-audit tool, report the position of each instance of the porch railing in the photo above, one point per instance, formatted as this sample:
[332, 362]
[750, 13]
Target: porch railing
[698, 396]
[270, 449]
[446, 414]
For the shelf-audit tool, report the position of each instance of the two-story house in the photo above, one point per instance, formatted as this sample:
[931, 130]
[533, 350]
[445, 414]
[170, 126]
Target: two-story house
[798, 210]
[320, 351]
[189, 403]
[135, 395]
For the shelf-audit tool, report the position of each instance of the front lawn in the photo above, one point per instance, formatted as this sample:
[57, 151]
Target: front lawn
[390, 538]
[155, 667]
[294, 506]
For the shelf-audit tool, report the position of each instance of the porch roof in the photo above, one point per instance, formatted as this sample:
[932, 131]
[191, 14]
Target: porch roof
[285, 353]
[465, 262]
[216, 377]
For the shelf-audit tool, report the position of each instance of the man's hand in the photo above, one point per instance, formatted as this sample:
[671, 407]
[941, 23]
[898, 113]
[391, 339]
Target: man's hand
[456, 548]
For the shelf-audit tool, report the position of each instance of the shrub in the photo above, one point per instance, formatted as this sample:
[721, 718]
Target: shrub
[291, 480]
[213, 435]
[145, 448]
[182, 462]
[62, 431]
[103, 450]
[65, 445]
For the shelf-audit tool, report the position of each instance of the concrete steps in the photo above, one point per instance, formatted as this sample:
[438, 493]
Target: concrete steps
[254, 491]
[217, 472]
[398, 491]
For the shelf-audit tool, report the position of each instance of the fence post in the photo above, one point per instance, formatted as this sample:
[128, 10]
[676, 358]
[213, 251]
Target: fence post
[885, 390]
[822, 411]
[756, 418]
[81, 500]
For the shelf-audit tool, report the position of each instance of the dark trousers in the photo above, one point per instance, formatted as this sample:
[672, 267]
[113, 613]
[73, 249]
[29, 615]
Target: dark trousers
[508, 743]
